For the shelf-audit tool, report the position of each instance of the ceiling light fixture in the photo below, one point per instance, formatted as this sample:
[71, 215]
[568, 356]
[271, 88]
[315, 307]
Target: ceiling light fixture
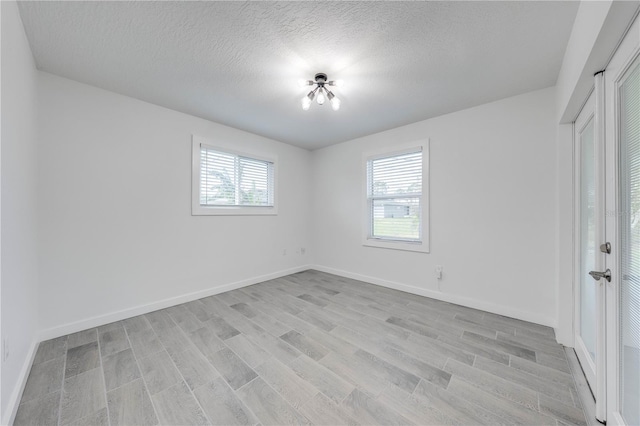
[320, 93]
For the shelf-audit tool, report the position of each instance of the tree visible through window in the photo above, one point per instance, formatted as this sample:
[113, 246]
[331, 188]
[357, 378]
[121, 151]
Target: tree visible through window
[394, 196]
[232, 180]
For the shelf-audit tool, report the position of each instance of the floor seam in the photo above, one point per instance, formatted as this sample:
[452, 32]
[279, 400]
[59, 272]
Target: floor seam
[64, 368]
[104, 381]
[144, 381]
[372, 307]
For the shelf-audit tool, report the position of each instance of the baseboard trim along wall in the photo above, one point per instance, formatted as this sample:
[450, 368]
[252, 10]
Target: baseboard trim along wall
[14, 401]
[51, 333]
[564, 338]
[445, 297]
[99, 320]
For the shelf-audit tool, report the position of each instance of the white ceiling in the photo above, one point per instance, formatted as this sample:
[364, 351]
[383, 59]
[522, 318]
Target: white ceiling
[238, 63]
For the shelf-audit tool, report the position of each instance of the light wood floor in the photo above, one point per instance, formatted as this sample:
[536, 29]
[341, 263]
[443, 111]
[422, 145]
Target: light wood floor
[306, 348]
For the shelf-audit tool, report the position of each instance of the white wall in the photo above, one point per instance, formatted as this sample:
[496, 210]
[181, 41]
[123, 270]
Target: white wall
[564, 236]
[492, 209]
[19, 202]
[115, 213]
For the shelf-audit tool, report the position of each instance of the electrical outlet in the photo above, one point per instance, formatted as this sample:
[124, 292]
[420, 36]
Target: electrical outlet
[439, 272]
[5, 349]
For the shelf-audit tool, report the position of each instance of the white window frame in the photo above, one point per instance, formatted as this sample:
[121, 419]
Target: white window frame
[417, 246]
[199, 210]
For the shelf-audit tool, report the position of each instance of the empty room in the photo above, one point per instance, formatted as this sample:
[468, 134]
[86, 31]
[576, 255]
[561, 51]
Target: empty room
[270, 213]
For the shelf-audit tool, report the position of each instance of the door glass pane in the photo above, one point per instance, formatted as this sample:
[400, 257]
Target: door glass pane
[630, 247]
[587, 240]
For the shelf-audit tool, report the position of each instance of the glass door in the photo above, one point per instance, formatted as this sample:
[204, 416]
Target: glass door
[589, 293]
[629, 303]
[623, 228]
[585, 197]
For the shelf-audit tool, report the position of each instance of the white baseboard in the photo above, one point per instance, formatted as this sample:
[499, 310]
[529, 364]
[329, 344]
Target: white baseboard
[14, 400]
[103, 319]
[564, 338]
[445, 297]
[99, 320]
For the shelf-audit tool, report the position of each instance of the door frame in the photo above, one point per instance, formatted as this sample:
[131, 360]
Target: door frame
[595, 372]
[578, 127]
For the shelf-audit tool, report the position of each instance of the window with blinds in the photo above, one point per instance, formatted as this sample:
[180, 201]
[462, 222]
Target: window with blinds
[394, 196]
[231, 182]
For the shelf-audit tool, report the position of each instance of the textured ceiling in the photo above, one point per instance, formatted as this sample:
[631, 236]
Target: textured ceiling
[238, 63]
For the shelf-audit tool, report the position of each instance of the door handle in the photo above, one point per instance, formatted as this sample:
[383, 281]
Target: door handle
[597, 275]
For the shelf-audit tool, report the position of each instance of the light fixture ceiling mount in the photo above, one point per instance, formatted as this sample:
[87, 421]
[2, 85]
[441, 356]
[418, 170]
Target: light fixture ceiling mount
[320, 93]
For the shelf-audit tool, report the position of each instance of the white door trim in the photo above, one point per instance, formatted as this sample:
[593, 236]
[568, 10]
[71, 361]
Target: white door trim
[600, 264]
[594, 371]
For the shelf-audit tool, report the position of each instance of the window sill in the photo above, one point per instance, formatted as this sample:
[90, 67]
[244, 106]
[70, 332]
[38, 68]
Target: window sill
[233, 211]
[420, 247]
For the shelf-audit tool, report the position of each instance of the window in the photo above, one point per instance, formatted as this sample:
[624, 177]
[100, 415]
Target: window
[227, 182]
[396, 202]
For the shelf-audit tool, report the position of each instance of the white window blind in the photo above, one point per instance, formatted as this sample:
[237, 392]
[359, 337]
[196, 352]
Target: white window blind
[394, 196]
[630, 244]
[228, 179]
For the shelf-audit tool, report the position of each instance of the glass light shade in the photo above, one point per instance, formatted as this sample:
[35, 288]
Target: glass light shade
[335, 103]
[320, 98]
[338, 83]
[306, 103]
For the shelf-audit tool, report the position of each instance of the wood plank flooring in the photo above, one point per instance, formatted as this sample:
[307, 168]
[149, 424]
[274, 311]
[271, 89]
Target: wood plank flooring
[309, 348]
